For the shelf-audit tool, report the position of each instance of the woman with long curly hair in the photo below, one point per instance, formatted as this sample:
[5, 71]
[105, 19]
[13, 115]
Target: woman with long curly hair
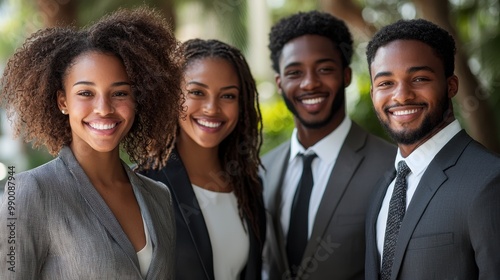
[84, 93]
[213, 170]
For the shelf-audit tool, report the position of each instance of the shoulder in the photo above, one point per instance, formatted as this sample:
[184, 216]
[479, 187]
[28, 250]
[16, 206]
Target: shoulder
[39, 179]
[273, 154]
[152, 185]
[370, 143]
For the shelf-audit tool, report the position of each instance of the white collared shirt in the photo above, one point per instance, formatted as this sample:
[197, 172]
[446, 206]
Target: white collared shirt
[417, 161]
[327, 150]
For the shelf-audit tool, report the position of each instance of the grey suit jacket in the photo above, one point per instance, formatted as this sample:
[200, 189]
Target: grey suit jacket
[336, 247]
[451, 228]
[61, 228]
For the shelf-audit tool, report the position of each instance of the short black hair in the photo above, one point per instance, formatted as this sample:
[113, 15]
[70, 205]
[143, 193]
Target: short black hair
[310, 23]
[416, 29]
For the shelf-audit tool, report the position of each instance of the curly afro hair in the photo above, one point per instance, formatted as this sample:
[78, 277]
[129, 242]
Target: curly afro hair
[240, 150]
[417, 29]
[146, 45]
[310, 23]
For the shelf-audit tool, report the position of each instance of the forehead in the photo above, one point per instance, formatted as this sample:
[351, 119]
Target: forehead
[92, 66]
[308, 48]
[401, 55]
[211, 70]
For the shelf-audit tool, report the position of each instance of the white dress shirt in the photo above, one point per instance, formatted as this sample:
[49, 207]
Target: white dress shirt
[417, 161]
[327, 150]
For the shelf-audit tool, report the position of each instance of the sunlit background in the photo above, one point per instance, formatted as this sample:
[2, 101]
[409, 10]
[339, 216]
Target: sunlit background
[246, 23]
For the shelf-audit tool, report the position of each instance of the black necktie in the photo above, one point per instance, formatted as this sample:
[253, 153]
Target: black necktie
[297, 231]
[397, 208]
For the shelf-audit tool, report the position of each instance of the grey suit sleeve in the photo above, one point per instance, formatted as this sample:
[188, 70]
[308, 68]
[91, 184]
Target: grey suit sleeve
[24, 238]
[484, 227]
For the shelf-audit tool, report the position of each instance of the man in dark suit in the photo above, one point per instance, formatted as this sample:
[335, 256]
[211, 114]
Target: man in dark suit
[311, 53]
[441, 218]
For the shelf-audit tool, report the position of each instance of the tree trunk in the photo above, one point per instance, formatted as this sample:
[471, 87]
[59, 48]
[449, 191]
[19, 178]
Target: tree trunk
[471, 98]
[58, 12]
[351, 13]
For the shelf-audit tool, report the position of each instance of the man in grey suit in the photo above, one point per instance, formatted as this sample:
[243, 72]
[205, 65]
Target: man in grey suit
[448, 222]
[311, 53]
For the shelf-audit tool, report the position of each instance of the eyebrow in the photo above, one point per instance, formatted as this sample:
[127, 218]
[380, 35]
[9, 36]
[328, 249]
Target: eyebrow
[116, 84]
[318, 61]
[409, 71]
[206, 86]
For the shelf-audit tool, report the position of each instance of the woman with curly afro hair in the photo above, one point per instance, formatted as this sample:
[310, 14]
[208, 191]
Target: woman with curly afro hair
[213, 170]
[84, 93]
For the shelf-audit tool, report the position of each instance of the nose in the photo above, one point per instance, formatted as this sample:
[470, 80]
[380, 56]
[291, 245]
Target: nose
[103, 105]
[310, 81]
[402, 93]
[211, 106]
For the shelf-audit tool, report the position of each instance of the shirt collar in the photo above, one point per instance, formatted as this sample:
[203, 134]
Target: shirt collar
[324, 148]
[421, 157]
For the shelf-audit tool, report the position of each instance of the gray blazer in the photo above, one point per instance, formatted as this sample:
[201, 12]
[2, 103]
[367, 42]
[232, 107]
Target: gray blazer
[61, 228]
[451, 228]
[336, 248]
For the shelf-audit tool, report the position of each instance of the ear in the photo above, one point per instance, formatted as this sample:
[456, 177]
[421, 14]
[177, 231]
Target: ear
[347, 76]
[452, 86]
[277, 78]
[371, 92]
[61, 100]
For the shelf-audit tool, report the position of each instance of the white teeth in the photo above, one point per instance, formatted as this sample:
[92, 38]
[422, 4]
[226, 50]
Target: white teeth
[405, 112]
[312, 101]
[101, 126]
[209, 124]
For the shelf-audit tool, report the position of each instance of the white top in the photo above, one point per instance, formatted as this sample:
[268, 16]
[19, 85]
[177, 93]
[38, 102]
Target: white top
[145, 255]
[228, 235]
[417, 161]
[327, 150]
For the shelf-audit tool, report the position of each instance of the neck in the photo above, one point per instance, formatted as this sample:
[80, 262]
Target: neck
[310, 136]
[406, 150]
[103, 169]
[203, 165]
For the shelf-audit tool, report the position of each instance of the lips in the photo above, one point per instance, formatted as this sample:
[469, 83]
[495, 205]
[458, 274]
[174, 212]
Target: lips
[102, 126]
[312, 101]
[404, 112]
[208, 123]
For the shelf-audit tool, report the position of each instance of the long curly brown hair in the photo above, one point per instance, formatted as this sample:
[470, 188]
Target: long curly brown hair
[145, 43]
[239, 152]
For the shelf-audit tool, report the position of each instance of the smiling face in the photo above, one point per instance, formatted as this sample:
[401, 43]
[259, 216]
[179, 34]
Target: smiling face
[98, 98]
[212, 92]
[312, 81]
[410, 93]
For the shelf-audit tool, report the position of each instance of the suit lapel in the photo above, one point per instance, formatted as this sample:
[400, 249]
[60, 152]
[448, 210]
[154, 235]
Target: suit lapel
[143, 197]
[272, 195]
[345, 166]
[373, 260]
[431, 181]
[185, 198]
[98, 205]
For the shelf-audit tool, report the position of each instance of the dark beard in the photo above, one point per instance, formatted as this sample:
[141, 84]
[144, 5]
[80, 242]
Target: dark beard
[338, 103]
[430, 122]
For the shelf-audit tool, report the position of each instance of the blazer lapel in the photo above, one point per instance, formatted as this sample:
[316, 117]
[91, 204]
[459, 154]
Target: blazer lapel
[433, 178]
[98, 205]
[274, 174]
[347, 162]
[142, 196]
[373, 260]
[183, 194]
